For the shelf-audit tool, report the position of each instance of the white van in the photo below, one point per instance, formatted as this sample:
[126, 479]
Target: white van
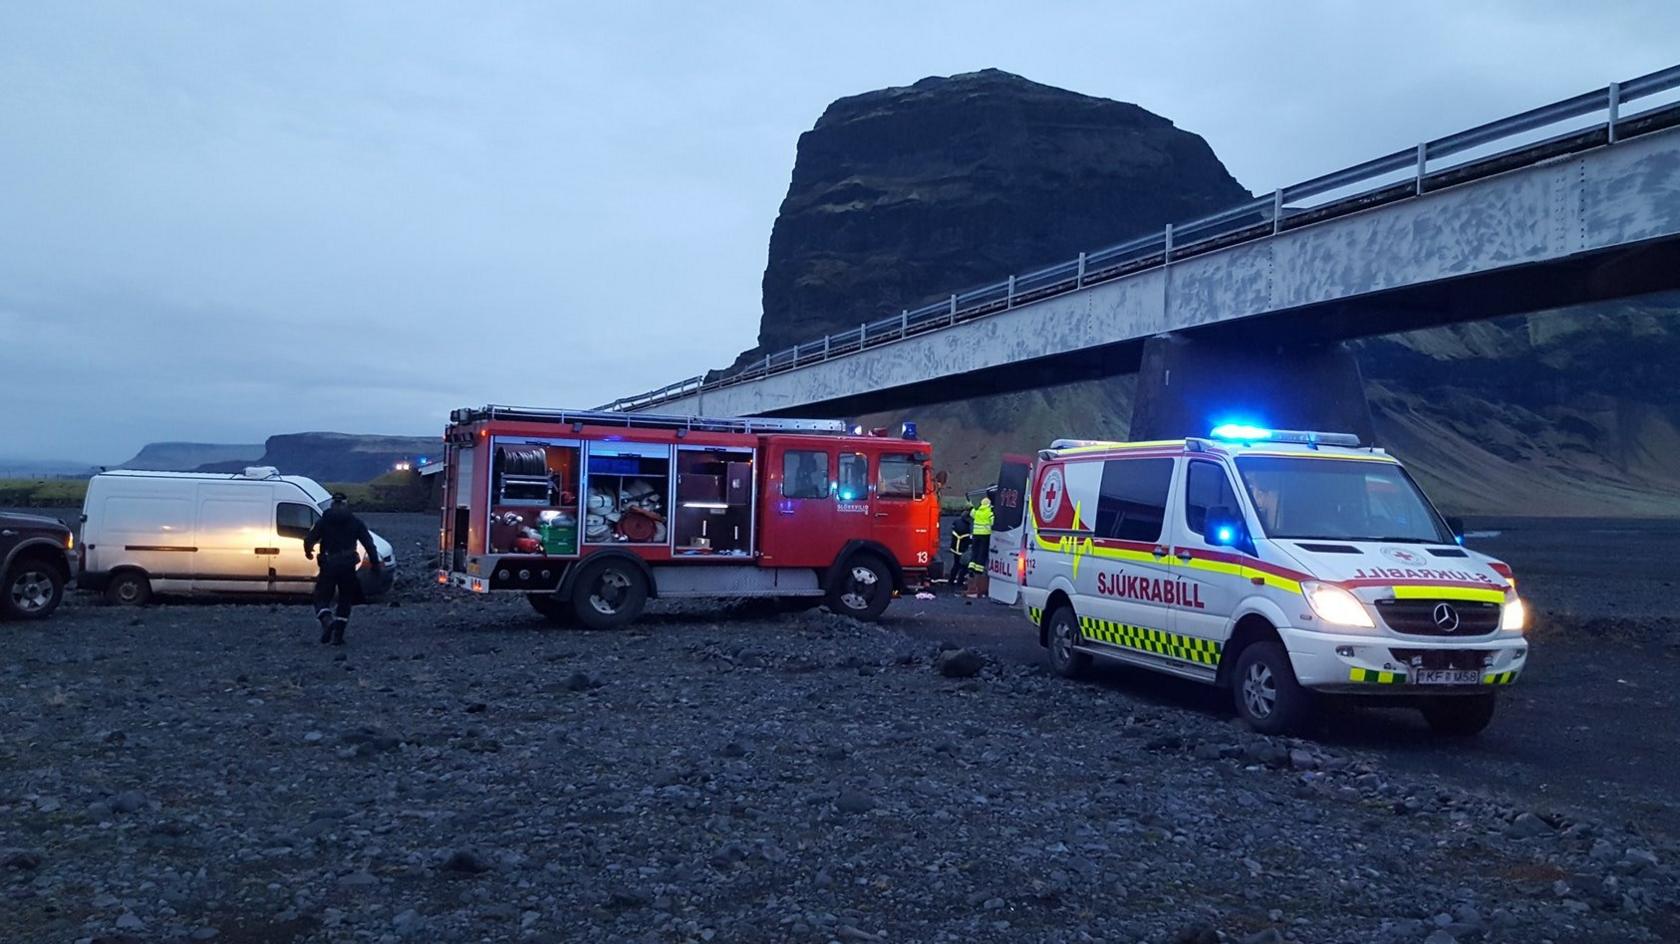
[146, 533]
[1278, 564]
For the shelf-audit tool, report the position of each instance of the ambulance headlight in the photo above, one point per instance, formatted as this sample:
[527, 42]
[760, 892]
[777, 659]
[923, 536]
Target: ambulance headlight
[1514, 618]
[1336, 606]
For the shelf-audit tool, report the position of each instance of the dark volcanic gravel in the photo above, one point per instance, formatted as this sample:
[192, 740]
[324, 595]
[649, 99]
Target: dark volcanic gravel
[462, 773]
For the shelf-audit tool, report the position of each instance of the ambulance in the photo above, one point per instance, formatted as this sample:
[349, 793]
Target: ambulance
[1282, 565]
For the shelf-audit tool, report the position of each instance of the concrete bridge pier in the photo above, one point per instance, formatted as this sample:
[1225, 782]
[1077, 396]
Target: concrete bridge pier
[1186, 386]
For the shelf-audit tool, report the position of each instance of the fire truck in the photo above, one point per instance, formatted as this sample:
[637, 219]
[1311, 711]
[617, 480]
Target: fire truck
[590, 514]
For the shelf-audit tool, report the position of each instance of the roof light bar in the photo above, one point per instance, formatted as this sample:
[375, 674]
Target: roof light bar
[1236, 432]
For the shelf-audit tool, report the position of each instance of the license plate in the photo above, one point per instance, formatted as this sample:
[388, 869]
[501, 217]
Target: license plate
[1446, 677]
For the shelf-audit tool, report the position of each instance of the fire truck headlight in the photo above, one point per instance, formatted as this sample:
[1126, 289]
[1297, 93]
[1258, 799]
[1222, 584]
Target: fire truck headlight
[1514, 618]
[1337, 606]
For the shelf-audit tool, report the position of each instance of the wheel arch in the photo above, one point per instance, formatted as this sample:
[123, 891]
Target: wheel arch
[1059, 597]
[39, 548]
[569, 579]
[1249, 628]
[858, 546]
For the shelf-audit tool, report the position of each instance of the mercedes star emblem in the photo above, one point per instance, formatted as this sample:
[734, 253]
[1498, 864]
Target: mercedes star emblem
[1446, 618]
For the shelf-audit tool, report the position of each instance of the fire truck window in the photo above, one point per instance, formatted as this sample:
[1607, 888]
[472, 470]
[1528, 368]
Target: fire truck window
[1206, 486]
[804, 474]
[901, 477]
[854, 477]
[1133, 500]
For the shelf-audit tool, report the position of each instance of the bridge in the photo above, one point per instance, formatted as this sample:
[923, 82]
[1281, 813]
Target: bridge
[1573, 202]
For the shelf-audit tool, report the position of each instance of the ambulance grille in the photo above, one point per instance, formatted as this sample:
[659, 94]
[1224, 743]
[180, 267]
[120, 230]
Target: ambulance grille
[1420, 617]
[1443, 658]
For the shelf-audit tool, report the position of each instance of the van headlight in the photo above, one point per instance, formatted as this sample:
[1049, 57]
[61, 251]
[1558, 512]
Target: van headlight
[1514, 617]
[1336, 606]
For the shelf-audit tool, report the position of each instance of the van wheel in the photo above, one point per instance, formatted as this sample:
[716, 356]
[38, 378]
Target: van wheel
[1463, 716]
[609, 595]
[1062, 635]
[1265, 690]
[552, 608]
[32, 590]
[129, 588]
[863, 589]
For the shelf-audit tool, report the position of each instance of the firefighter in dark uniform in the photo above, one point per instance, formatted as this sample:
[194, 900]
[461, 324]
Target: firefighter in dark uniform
[338, 532]
[962, 530]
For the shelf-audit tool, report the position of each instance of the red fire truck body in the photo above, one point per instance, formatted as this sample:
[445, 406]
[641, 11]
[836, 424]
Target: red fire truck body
[590, 513]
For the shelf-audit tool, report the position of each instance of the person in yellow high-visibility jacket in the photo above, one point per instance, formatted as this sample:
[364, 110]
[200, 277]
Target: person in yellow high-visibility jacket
[983, 518]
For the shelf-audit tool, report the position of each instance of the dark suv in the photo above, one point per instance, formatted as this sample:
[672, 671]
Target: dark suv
[37, 561]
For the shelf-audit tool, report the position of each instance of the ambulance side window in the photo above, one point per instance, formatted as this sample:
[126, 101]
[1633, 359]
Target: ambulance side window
[854, 477]
[804, 474]
[1206, 486]
[1132, 504]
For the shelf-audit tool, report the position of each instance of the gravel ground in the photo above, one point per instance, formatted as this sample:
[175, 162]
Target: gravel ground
[462, 773]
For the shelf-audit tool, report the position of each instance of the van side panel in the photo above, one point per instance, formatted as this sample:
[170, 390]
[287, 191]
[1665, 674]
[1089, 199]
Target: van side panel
[235, 530]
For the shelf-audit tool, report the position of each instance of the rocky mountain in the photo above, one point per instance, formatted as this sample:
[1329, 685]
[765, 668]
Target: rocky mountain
[336, 457]
[903, 195]
[187, 456]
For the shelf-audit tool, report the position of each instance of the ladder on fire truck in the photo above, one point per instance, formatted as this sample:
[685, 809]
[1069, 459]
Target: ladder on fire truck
[709, 424]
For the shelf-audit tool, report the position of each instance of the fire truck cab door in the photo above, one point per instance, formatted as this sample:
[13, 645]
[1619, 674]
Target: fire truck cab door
[900, 507]
[1008, 511]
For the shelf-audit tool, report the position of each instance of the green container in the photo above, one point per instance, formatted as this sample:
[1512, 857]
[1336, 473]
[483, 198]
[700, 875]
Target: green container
[559, 539]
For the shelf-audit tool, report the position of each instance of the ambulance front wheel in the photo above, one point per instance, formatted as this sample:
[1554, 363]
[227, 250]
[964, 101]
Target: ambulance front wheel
[1062, 634]
[1265, 690]
[862, 589]
[609, 595]
[1463, 716]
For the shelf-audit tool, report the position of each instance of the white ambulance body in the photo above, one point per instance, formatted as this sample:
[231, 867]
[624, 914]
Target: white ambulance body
[1277, 563]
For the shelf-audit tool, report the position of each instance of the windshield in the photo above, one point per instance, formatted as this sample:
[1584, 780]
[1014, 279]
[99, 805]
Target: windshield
[1339, 499]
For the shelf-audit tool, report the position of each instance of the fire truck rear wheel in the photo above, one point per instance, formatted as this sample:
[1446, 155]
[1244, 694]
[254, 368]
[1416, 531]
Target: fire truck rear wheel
[609, 595]
[1265, 690]
[554, 609]
[1063, 635]
[863, 590]
[1461, 716]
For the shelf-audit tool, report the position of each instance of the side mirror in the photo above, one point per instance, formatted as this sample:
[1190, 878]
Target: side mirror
[1225, 528]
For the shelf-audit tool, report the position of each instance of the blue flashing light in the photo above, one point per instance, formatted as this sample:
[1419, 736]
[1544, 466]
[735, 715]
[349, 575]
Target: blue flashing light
[847, 496]
[1225, 536]
[1240, 432]
[909, 429]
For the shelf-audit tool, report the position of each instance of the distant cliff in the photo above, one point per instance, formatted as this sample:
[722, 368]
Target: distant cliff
[901, 196]
[187, 456]
[337, 457]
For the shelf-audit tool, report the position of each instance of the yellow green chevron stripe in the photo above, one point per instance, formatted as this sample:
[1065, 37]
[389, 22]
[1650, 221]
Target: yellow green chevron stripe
[1375, 677]
[1156, 641]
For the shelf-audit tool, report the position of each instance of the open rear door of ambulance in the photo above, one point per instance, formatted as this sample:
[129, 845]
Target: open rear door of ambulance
[1009, 509]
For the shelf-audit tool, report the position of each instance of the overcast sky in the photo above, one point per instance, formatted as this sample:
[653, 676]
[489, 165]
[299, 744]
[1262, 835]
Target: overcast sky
[221, 221]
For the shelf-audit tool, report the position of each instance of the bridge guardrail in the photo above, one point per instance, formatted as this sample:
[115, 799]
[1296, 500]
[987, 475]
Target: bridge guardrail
[1259, 218]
